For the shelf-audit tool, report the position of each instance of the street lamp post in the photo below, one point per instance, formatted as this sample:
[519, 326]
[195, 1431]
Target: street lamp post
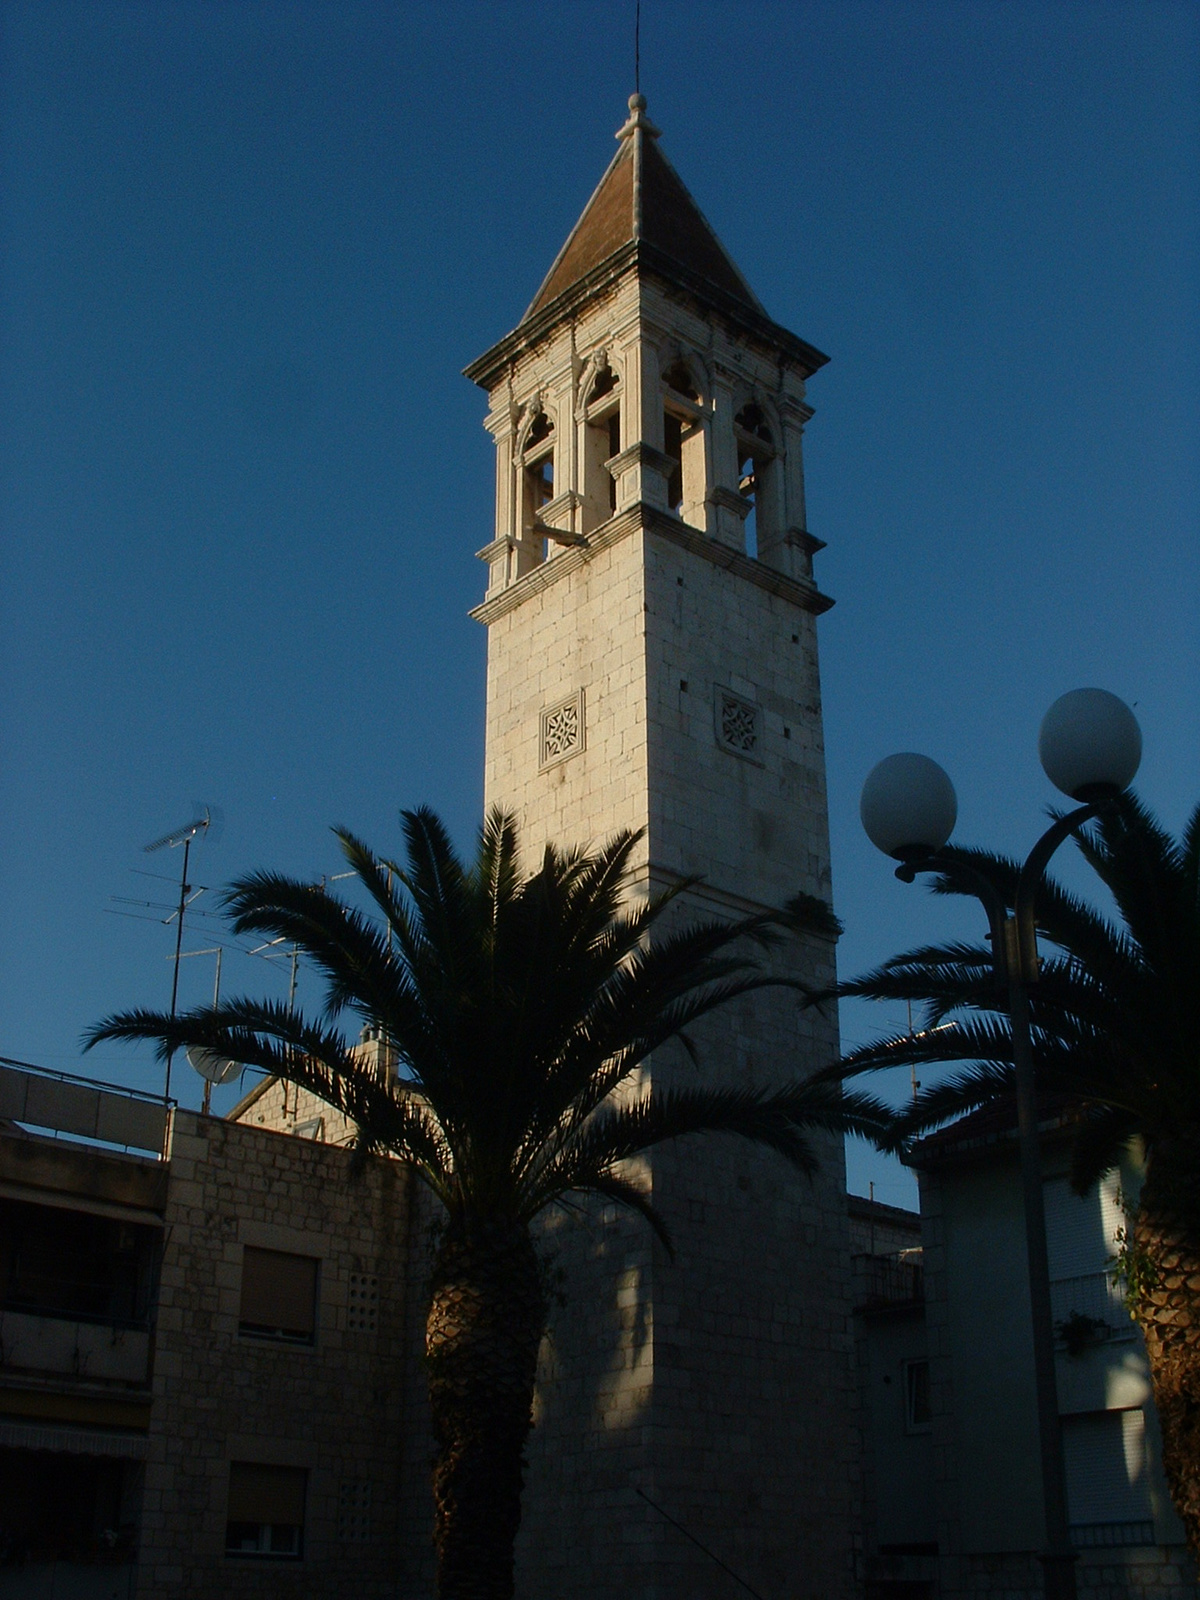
[1090, 747]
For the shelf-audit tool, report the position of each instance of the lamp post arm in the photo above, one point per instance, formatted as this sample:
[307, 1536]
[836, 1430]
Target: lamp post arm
[1030, 881]
[973, 882]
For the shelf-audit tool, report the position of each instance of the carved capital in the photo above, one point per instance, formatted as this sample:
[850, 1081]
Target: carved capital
[795, 411]
[641, 455]
[803, 540]
[596, 362]
[730, 500]
[497, 548]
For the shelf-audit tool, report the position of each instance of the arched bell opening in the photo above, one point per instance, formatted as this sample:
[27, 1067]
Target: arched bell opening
[537, 477]
[758, 477]
[601, 442]
[684, 444]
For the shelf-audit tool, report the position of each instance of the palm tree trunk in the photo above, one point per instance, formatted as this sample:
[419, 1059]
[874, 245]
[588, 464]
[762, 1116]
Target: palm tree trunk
[1166, 1303]
[485, 1323]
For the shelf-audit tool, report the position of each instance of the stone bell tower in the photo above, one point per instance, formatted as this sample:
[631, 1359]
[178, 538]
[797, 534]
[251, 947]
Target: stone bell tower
[652, 663]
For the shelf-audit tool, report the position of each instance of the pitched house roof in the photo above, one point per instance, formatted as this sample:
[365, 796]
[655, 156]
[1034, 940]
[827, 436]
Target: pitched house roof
[642, 217]
[642, 199]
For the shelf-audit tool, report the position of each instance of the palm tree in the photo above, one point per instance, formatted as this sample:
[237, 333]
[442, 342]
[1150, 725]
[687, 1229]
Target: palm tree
[518, 1010]
[1116, 1035]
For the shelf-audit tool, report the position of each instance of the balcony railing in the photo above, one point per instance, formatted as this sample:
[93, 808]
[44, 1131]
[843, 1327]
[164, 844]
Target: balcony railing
[80, 1350]
[81, 1108]
[1094, 1296]
[1111, 1535]
[890, 1280]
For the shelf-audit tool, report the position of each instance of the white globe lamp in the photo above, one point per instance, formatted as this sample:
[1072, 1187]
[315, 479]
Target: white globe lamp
[908, 806]
[1090, 744]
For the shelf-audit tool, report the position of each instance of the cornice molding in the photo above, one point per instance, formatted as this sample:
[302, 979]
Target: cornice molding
[638, 257]
[644, 518]
[730, 500]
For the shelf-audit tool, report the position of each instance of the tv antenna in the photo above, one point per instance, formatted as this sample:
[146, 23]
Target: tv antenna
[196, 828]
[212, 1067]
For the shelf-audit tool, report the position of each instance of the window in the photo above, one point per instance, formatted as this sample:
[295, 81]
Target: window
[63, 1507]
[1081, 1241]
[673, 446]
[678, 378]
[602, 441]
[918, 1417]
[70, 1264]
[279, 1296]
[683, 442]
[265, 1515]
[1104, 1453]
[757, 477]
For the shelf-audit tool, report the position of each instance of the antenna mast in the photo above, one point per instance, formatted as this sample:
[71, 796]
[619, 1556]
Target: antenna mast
[177, 836]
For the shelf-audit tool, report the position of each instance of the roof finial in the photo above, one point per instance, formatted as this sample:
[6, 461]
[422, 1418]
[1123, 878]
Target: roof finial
[637, 119]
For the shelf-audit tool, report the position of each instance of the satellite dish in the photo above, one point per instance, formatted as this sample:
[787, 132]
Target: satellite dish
[212, 1067]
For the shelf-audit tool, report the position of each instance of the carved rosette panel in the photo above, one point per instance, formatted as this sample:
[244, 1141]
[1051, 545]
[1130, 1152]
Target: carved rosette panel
[561, 734]
[738, 725]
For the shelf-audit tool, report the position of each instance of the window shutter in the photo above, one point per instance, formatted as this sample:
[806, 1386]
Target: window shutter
[1075, 1231]
[259, 1493]
[1105, 1458]
[279, 1292]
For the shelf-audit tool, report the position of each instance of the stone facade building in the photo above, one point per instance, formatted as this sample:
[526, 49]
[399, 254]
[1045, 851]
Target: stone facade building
[209, 1381]
[652, 665]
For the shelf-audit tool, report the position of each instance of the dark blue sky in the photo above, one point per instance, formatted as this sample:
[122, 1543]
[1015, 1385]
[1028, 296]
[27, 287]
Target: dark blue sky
[249, 247]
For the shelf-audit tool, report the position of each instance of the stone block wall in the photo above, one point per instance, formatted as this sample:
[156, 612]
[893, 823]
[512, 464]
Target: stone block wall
[346, 1409]
[719, 1385]
[751, 821]
[582, 634]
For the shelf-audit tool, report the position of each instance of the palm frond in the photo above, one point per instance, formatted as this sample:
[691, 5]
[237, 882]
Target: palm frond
[518, 1007]
[1099, 1139]
[981, 1084]
[985, 1038]
[271, 1038]
[498, 864]
[1190, 858]
[379, 878]
[776, 1118]
[615, 1186]
[1115, 1011]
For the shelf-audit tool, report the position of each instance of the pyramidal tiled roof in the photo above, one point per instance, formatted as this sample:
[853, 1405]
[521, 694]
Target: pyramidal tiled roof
[641, 198]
